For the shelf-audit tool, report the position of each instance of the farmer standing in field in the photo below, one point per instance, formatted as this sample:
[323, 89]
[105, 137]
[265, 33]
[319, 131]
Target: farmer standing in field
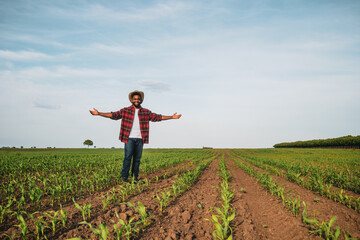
[134, 131]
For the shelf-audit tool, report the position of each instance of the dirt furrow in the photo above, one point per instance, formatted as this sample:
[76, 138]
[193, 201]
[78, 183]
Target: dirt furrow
[322, 208]
[185, 218]
[260, 215]
[165, 176]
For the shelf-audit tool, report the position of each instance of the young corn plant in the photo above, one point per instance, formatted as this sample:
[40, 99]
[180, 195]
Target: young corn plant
[113, 197]
[106, 201]
[40, 225]
[22, 226]
[54, 219]
[145, 217]
[102, 231]
[175, 189]
[5, 209]
[85, 210]
[222, 229]
[63, 216]
[128, 229]
[321, 229]
[164, 199]
[296, 206]
[10, 237]
[21, 203]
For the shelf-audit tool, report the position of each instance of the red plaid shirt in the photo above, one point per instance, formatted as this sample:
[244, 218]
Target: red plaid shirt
[127, 116]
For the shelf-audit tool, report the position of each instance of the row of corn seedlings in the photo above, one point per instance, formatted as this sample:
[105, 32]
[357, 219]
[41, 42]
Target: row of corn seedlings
[291, 203]
[36, 191]
[181, 184]
[51, 219]
[341, 171]
[131, 228]
[225, 214]
[313, 183]
[123, 229]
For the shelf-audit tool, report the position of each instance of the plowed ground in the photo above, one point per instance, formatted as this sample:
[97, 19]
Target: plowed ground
[259, 215]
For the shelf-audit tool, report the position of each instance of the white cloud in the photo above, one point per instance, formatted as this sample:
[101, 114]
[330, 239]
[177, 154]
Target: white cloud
[23, 55]
[45, 105]
[102, 13]
[155, 86]
[118, 49]
[38, 38]
[60, 72]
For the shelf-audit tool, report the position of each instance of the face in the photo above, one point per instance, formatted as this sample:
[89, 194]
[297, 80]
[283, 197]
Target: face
[136, 100]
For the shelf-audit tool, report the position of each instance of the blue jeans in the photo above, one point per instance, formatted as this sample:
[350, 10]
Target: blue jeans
[133, 150]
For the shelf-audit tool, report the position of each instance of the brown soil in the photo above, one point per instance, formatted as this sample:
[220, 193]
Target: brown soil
[74, 215]
[323, 208]
[259, 215]
[185, 218]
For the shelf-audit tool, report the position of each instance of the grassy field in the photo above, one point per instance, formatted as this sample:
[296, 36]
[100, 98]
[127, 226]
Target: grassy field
[79, 193]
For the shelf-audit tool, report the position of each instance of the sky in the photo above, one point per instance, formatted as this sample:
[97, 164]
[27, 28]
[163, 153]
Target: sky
[243, 74]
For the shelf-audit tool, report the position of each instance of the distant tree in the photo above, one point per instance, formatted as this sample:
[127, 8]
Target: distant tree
[88, 142]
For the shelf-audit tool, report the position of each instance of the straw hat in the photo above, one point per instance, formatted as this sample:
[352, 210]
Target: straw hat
[139, 92]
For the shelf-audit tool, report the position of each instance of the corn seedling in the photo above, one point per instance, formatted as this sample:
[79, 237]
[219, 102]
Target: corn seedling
[9, 237]
[321, 229]
[164, 199]
[54, 219]
[129, 229]
[22, 226]
[85, 210]
[63, 216]
[40, 225]
[5, 210]
[106, 201]
[142, 211]
[102, 231]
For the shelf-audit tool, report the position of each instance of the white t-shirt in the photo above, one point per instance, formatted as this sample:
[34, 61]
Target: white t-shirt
[135, 131]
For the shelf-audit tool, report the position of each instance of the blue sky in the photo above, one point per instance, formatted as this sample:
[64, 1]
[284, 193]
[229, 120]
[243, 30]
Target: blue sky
[242, 73]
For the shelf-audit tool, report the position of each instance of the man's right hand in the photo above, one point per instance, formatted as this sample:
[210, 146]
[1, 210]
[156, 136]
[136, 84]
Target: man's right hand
[95, 112]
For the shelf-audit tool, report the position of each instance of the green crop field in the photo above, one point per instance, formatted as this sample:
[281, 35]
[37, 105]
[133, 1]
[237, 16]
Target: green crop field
[47, 193]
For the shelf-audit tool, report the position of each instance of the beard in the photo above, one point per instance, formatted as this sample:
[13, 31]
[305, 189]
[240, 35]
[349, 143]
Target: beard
[137, 105]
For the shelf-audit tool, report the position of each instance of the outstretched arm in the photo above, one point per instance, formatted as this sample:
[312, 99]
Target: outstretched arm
[174, 116]
[96, 112]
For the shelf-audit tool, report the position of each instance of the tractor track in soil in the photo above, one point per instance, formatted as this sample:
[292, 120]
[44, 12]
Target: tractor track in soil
[323, 208]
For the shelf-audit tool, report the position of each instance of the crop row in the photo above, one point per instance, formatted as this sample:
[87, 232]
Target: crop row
[326, 230]
[343, 172]
[225, 214]
[49, 223]
[316, 183]
[142, 219]
[33, 191]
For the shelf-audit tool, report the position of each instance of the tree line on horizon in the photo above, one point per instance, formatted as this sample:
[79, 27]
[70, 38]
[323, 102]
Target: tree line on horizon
[340, 142]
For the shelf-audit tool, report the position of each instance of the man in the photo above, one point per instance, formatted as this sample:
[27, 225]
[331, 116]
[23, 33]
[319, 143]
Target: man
[134, 131]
